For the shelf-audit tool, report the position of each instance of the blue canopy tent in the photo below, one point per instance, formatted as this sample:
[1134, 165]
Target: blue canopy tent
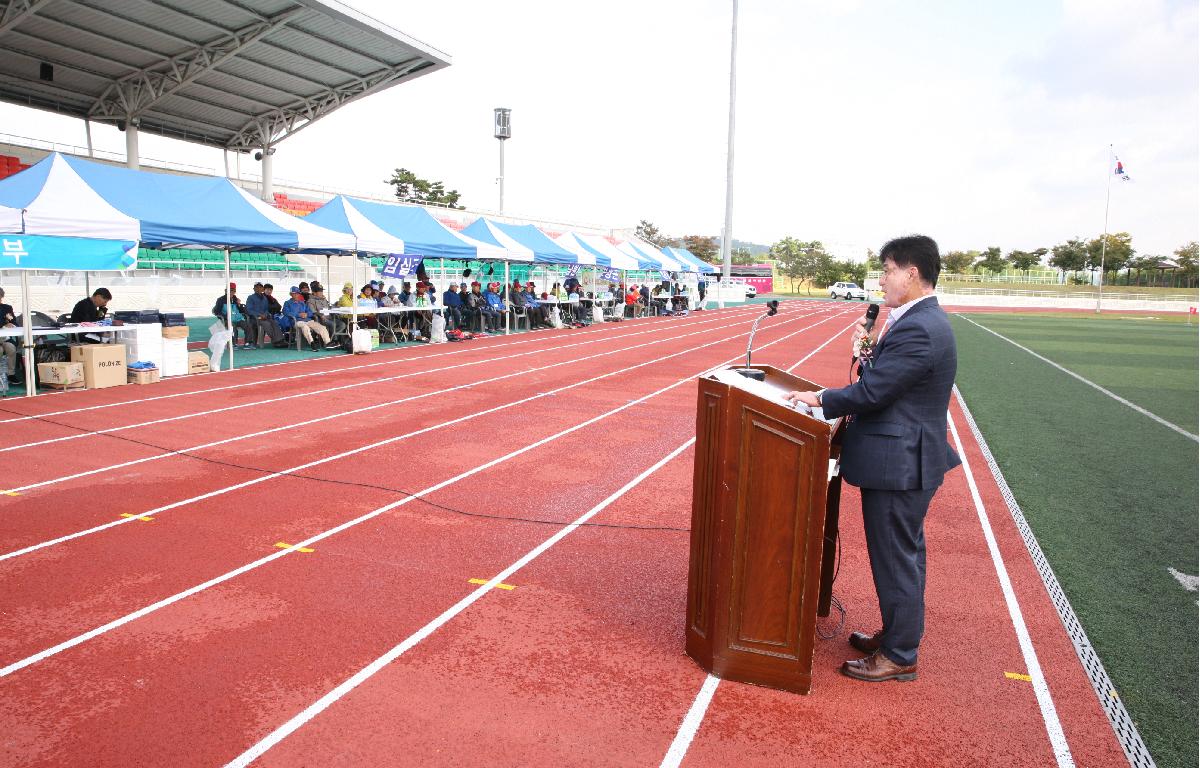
[68, 197]
[522, 238]
[683, 255]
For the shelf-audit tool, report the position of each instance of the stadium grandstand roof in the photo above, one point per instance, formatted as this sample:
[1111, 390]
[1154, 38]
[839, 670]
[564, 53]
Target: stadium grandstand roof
[238, 74]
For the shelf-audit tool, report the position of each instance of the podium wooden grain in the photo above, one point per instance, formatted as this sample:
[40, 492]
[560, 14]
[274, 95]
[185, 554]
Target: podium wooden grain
[759, 553]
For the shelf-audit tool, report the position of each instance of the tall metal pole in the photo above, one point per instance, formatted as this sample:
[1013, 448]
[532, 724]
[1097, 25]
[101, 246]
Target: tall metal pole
[501, 177]
[27, 323]
[507, 288]
[1104, 237]
[228, 312]
[727, 235]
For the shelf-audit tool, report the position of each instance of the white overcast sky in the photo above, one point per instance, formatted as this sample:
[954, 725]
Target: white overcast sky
[977, 123]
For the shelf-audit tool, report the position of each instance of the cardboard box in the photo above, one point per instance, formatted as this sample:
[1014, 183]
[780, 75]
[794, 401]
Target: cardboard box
[198, 362]
[175, 357]
[143, 375]
[103, 364]
[175, 332]
[61, 375]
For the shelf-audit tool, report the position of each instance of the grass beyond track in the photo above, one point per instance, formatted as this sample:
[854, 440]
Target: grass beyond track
[1110, 493]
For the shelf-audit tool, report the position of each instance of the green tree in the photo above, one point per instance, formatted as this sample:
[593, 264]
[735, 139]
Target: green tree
[742, 256]
[958, 262]
[1139, 264]
[787, 255]
[1187, 256]
[1070, 256]
[1116, 251]
[1023, 261]
[992, 261]
[873, 262]
[802, 261]
[412, 189]
[702, 247]
[853, 270]
[650, 234]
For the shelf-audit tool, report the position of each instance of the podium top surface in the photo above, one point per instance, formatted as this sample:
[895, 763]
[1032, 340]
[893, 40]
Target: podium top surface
[777, 384]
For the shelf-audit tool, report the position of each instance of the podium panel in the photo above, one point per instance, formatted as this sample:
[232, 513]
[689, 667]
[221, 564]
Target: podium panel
[758, 517]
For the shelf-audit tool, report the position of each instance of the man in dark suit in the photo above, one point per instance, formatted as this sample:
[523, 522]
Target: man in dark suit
[895, 449]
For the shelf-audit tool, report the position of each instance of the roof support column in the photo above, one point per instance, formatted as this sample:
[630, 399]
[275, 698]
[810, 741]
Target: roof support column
[131, 144]
[268, 173]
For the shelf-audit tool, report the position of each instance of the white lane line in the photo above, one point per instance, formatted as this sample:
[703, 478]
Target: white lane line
[1090, 383]
[311, 374]
[1058, 740]
[312, 540]
[818, 349]
[299, 467]
[358, 678]
[340, 388]
[246, 436]
[691, 723]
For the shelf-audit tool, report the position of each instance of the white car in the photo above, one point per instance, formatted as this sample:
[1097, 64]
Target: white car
[751, 291]
[847, 291]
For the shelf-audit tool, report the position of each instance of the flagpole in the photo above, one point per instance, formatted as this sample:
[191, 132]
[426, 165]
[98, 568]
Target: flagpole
[1104, 237]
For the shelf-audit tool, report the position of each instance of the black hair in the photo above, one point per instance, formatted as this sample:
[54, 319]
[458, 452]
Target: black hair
[102, 293]
[268, 285]
[914, 251]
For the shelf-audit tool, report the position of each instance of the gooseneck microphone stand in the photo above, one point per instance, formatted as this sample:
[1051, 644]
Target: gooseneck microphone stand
[754, 373]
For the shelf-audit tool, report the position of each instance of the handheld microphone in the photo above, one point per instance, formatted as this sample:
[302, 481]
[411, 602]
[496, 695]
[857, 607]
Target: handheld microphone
[754, 373]
[872, 313]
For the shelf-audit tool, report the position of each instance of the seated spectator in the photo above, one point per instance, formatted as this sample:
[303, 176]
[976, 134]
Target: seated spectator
[8, 319]
[632, 308]
[574, 298]
[347, 297]
[237, 318]
[496, 302]
[572, 285]
[272, 302]
[262, 320]
[422, 320]
[406, 294]
[305, 291]
[490, 316]
[366, 300]
[539, 316]
[319, 306]
[659, 300]
[452, 300]
[92, 310]
[296, 309]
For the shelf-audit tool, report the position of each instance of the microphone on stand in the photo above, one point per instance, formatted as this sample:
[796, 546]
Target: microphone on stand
[754, 373]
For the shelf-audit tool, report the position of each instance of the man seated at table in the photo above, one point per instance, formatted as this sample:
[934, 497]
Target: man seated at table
[496, 301]
[319, 306]
[632, 308]
[538, 312]
[237, 317]
[422, 320]
[8, 319]
[265, 326]
[92, 310]
[303, 322]
[479, 303]
[574, 298]
[658, 300]
[452, 300]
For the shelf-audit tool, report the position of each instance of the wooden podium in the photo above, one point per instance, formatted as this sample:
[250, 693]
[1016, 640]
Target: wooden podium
[764, 528]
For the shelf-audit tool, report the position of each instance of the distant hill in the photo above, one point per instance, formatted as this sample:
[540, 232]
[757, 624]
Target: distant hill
[754, 248]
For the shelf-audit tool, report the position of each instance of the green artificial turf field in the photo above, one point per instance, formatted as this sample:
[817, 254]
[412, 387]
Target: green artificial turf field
[1110, 494]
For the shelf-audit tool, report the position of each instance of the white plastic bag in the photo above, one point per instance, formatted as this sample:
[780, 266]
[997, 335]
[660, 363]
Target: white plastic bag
[360, 341]
[555, 319]
[216, 345]
[597, 314]
[437, 329]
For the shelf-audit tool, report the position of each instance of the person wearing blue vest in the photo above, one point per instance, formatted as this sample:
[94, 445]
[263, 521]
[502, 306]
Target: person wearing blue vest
[453, 303]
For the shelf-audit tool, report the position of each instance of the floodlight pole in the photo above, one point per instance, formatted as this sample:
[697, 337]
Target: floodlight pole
[727, 234]
[502, 130]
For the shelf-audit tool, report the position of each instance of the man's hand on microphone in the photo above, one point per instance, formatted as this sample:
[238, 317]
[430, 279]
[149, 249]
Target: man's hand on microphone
[856, 338]
[811, 399]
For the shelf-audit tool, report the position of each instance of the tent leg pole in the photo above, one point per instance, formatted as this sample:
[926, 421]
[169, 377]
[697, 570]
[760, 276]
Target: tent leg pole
[27, 324]
[507, 288]
[353, 300]
[228, 310]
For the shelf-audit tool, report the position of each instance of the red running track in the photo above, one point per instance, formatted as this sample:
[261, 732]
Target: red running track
[581, 663]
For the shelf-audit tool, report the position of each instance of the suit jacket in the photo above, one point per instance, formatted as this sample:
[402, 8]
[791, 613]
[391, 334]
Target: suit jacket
[897, 439]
